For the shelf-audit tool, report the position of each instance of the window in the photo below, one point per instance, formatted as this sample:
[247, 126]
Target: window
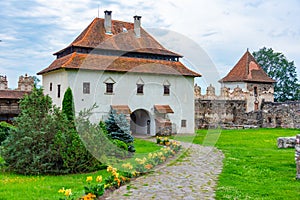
[183, 123]
[50, 87]
[166, 90]
[58, 91]
[109, 82]
[109, 88]
[140, 88]
[86, 88]
[255, 91]
[166, 85]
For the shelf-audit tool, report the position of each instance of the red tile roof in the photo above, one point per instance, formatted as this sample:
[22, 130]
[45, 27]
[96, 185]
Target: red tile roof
[94, 36]
[124, 109]
[247, 70]
[119, 64]
[12, 94]
[163, 109]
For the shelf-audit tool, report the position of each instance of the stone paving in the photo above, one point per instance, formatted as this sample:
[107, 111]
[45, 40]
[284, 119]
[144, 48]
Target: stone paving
[193, 177]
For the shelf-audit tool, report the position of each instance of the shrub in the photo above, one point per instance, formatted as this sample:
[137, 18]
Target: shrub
[5, 129]
[118, 128]
[45, 141]
[68, 107]
[120, 144]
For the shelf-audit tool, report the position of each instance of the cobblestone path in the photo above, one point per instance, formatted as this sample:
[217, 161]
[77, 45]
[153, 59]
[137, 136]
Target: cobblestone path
[192, 177]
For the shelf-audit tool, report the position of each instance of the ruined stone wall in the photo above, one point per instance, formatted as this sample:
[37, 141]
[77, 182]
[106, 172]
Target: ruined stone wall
[216, 112]
[278, 114]
[232, 108]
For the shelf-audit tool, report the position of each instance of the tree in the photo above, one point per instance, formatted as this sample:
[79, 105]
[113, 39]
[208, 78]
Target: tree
[277, 66]
[68, 107]
[118, 128]
[44, 142]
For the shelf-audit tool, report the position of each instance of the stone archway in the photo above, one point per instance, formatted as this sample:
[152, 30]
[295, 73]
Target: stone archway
[140, 122]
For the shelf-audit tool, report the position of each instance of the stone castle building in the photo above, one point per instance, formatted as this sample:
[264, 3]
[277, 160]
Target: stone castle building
[9, 99]
[246, 100]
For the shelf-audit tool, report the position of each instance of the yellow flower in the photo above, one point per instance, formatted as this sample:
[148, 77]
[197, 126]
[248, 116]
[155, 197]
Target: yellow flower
[99, 179]
[109, 168]
[61, 190]
[89, 178]
[68, 192]
[150, 155]
[128, 166]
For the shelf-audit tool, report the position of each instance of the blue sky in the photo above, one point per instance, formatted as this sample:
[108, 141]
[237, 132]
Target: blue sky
[32, 30]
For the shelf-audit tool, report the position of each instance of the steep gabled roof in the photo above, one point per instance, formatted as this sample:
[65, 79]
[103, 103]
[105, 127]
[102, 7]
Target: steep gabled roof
[122, 38]
[118, 64]
[247, 70]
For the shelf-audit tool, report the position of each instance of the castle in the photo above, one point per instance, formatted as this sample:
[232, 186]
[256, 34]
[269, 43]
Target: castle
[246, 100]
[9, 99]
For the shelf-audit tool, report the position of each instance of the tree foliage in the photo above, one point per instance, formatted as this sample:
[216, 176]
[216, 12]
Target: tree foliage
[5, 130]
[44, 142]
[280, 69]
[68, 105]
[118, 128]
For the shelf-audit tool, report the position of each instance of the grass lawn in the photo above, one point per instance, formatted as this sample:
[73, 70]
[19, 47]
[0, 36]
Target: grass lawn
[13, 186]
[254, 168]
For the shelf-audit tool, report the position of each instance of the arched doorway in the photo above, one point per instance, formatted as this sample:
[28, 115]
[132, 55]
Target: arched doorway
[140, 122]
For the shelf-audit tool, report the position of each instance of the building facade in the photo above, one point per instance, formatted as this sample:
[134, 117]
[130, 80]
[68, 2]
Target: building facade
[119, 66]
[9, 99]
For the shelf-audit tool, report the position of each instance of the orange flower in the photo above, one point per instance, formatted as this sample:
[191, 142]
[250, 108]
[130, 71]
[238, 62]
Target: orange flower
[148, 166]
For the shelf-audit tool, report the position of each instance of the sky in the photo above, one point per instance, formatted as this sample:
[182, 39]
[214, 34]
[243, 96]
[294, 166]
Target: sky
[212, 35]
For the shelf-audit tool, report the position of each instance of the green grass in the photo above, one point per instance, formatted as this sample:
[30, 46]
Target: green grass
[254, 168]
[14, 186]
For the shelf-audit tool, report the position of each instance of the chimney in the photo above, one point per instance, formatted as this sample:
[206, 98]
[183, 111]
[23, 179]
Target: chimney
[137, 25]
[107, 21]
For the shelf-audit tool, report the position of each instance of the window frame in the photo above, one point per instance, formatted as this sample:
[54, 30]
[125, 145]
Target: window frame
[58, 90]
[140, 89]
[109, 88]
[166, 90]
[183, 123]
[86, 87]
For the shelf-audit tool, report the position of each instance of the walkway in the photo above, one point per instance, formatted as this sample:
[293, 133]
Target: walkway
[193, 177]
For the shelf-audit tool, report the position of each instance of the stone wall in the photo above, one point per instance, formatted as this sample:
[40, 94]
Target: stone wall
[285, 115]
[230, 108]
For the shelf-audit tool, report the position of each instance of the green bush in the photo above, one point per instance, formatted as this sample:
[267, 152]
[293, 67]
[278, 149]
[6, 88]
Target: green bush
[118, 128]
[5, 129]
[45, 141]
[120, 144]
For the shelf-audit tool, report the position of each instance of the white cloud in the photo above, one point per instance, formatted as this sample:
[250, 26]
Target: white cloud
[224, 29]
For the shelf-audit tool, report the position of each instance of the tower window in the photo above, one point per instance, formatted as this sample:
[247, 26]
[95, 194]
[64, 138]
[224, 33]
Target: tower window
[58, 91]
[255, 91]
[50, 87]
[109, 88]
[183, 123]
[166, 90]
[140, 88]
[86, 88]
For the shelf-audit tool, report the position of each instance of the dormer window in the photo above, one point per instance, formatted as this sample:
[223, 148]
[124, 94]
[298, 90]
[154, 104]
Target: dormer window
[140, 86]
[109, 82]
[166, 86]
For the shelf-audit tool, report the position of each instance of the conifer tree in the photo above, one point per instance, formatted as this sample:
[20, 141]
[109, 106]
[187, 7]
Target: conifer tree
[118, 128]
[68, 107]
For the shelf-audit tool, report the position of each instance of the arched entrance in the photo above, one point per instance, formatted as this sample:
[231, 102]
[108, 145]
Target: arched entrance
[140, 122]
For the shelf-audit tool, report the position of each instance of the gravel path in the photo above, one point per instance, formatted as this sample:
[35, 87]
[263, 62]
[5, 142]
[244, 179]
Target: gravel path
[193, 177]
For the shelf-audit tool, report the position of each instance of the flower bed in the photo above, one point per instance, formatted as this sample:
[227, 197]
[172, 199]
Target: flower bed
[118, 177]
